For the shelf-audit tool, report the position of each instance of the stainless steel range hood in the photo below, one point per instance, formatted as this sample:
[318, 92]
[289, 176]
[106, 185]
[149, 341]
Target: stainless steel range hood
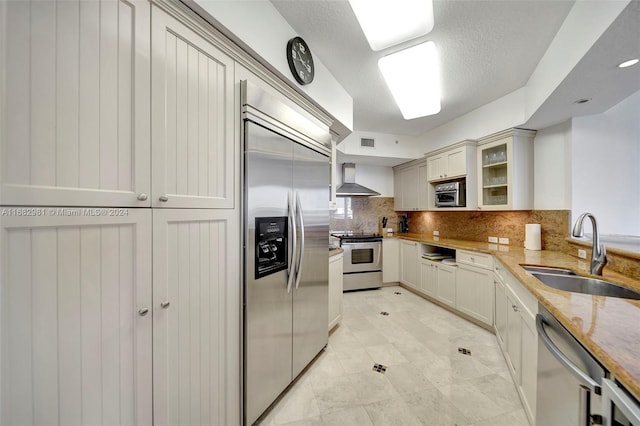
[350, 188]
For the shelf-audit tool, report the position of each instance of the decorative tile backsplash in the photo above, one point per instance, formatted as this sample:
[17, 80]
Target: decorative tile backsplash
[363, 214]
[478, 226]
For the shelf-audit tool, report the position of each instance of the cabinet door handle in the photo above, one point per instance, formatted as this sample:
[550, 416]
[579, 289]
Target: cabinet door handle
[142, 196]
[143, 311]
[165, 304]
[515, 308]
[163, 198]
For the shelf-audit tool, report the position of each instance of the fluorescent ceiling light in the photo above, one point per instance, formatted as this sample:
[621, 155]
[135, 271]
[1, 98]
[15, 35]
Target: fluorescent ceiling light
[413, 76]
[386, 23]
[628, 63]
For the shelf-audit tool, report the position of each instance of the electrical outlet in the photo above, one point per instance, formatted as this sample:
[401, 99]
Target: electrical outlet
[503, 240]
[436, 238]
[436, 233]
[582, 254]
[493, 239]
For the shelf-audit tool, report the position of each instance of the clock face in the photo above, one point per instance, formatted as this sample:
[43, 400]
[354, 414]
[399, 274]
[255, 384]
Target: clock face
[300, 60]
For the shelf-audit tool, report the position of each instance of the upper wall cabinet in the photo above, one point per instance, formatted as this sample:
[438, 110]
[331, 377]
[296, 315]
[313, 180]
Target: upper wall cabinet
[410, 186]
[75, 110]
[447, 165]
[505, 170]
[453, 163]
[192, 98]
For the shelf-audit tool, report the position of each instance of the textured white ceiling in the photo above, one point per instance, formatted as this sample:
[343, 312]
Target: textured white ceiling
[487, 49]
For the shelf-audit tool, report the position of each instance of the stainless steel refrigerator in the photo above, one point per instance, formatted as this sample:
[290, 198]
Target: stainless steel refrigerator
[286, 233]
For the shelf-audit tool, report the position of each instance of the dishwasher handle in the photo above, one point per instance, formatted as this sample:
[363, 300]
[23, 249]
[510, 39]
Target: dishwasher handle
[582, 377]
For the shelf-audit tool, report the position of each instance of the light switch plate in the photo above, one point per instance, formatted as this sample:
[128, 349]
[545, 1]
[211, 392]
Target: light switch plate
[582, 254]
[503, 240]
[436, 238]
[436, 233]
[493, 239]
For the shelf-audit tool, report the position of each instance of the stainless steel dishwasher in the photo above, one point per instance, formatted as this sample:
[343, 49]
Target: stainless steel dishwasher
[569, 378]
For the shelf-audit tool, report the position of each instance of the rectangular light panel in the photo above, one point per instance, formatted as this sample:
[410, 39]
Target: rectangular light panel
[413, 76]
[386, 23]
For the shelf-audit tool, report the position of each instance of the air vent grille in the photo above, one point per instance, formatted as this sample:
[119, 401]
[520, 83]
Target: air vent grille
[368, 142]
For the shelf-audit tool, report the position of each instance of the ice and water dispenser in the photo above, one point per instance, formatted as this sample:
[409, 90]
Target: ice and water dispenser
[271, 245]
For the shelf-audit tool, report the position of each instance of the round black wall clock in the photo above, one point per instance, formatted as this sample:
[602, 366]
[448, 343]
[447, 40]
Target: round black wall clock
[300, 60]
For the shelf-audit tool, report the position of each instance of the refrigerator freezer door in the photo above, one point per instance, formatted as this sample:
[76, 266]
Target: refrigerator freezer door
[310, 296]
[268, 314]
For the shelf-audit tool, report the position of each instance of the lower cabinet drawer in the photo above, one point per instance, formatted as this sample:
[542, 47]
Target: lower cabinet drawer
[481, 260]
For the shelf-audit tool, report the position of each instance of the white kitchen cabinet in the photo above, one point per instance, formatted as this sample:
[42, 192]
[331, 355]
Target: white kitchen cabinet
[335, 289]
[516, 332]
[446, 284]
[514, 335]
[76, 317]
[196, 309]
[505, 170]
[76, 103]
[423, 194]
[528, 386]
[193, 116]
[438, 281]
[475, 287]
[390, 260]
[500, 317]
[447, 165]
[410, 263]
[474, 293]
[428, 278]
[410, 186]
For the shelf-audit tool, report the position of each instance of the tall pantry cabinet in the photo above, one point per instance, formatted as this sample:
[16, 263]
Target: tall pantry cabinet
[119, 221]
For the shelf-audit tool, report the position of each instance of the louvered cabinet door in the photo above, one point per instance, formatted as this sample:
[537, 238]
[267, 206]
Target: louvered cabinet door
[196, 307]
[76, 318]
[193, 116]
[75, 111]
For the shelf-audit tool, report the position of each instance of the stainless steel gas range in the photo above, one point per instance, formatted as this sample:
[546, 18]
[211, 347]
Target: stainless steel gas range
[362, 266]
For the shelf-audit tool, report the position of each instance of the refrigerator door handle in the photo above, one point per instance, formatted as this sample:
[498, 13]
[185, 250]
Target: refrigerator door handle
[294, 244]
[301, 258]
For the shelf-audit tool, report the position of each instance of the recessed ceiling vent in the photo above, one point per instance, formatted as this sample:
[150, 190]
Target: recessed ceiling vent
[350, 188]
[367, 142]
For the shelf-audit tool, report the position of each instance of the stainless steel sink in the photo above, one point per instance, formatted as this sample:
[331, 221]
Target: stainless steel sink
[578, 284]
[548, 270]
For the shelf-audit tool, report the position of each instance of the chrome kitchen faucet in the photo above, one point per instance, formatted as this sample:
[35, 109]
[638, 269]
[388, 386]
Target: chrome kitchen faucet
[598, 252]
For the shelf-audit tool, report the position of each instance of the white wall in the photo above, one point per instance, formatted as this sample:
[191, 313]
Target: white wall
[606, 167]
[552, 168]
[387, 145]
[259, 25]
[503, 113]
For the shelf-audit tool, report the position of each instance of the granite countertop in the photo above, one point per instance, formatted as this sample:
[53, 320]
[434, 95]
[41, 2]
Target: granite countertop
[606, 326]
[335, 250]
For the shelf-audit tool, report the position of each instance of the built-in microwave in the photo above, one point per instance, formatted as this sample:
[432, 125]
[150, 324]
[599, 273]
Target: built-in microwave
[451, 194]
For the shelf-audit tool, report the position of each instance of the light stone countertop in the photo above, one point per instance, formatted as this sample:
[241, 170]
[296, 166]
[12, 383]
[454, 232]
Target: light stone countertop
[608, 327]
[333, 251]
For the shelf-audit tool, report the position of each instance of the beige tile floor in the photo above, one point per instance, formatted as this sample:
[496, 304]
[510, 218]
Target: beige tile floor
[427, 382]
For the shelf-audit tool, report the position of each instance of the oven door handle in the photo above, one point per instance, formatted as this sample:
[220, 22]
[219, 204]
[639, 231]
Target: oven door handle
[379, 256]
[293, 233]
[301, 257]
[582, 377]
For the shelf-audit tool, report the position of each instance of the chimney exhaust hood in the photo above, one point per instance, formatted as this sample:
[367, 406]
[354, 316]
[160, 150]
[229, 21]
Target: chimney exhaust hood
[350, 188]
